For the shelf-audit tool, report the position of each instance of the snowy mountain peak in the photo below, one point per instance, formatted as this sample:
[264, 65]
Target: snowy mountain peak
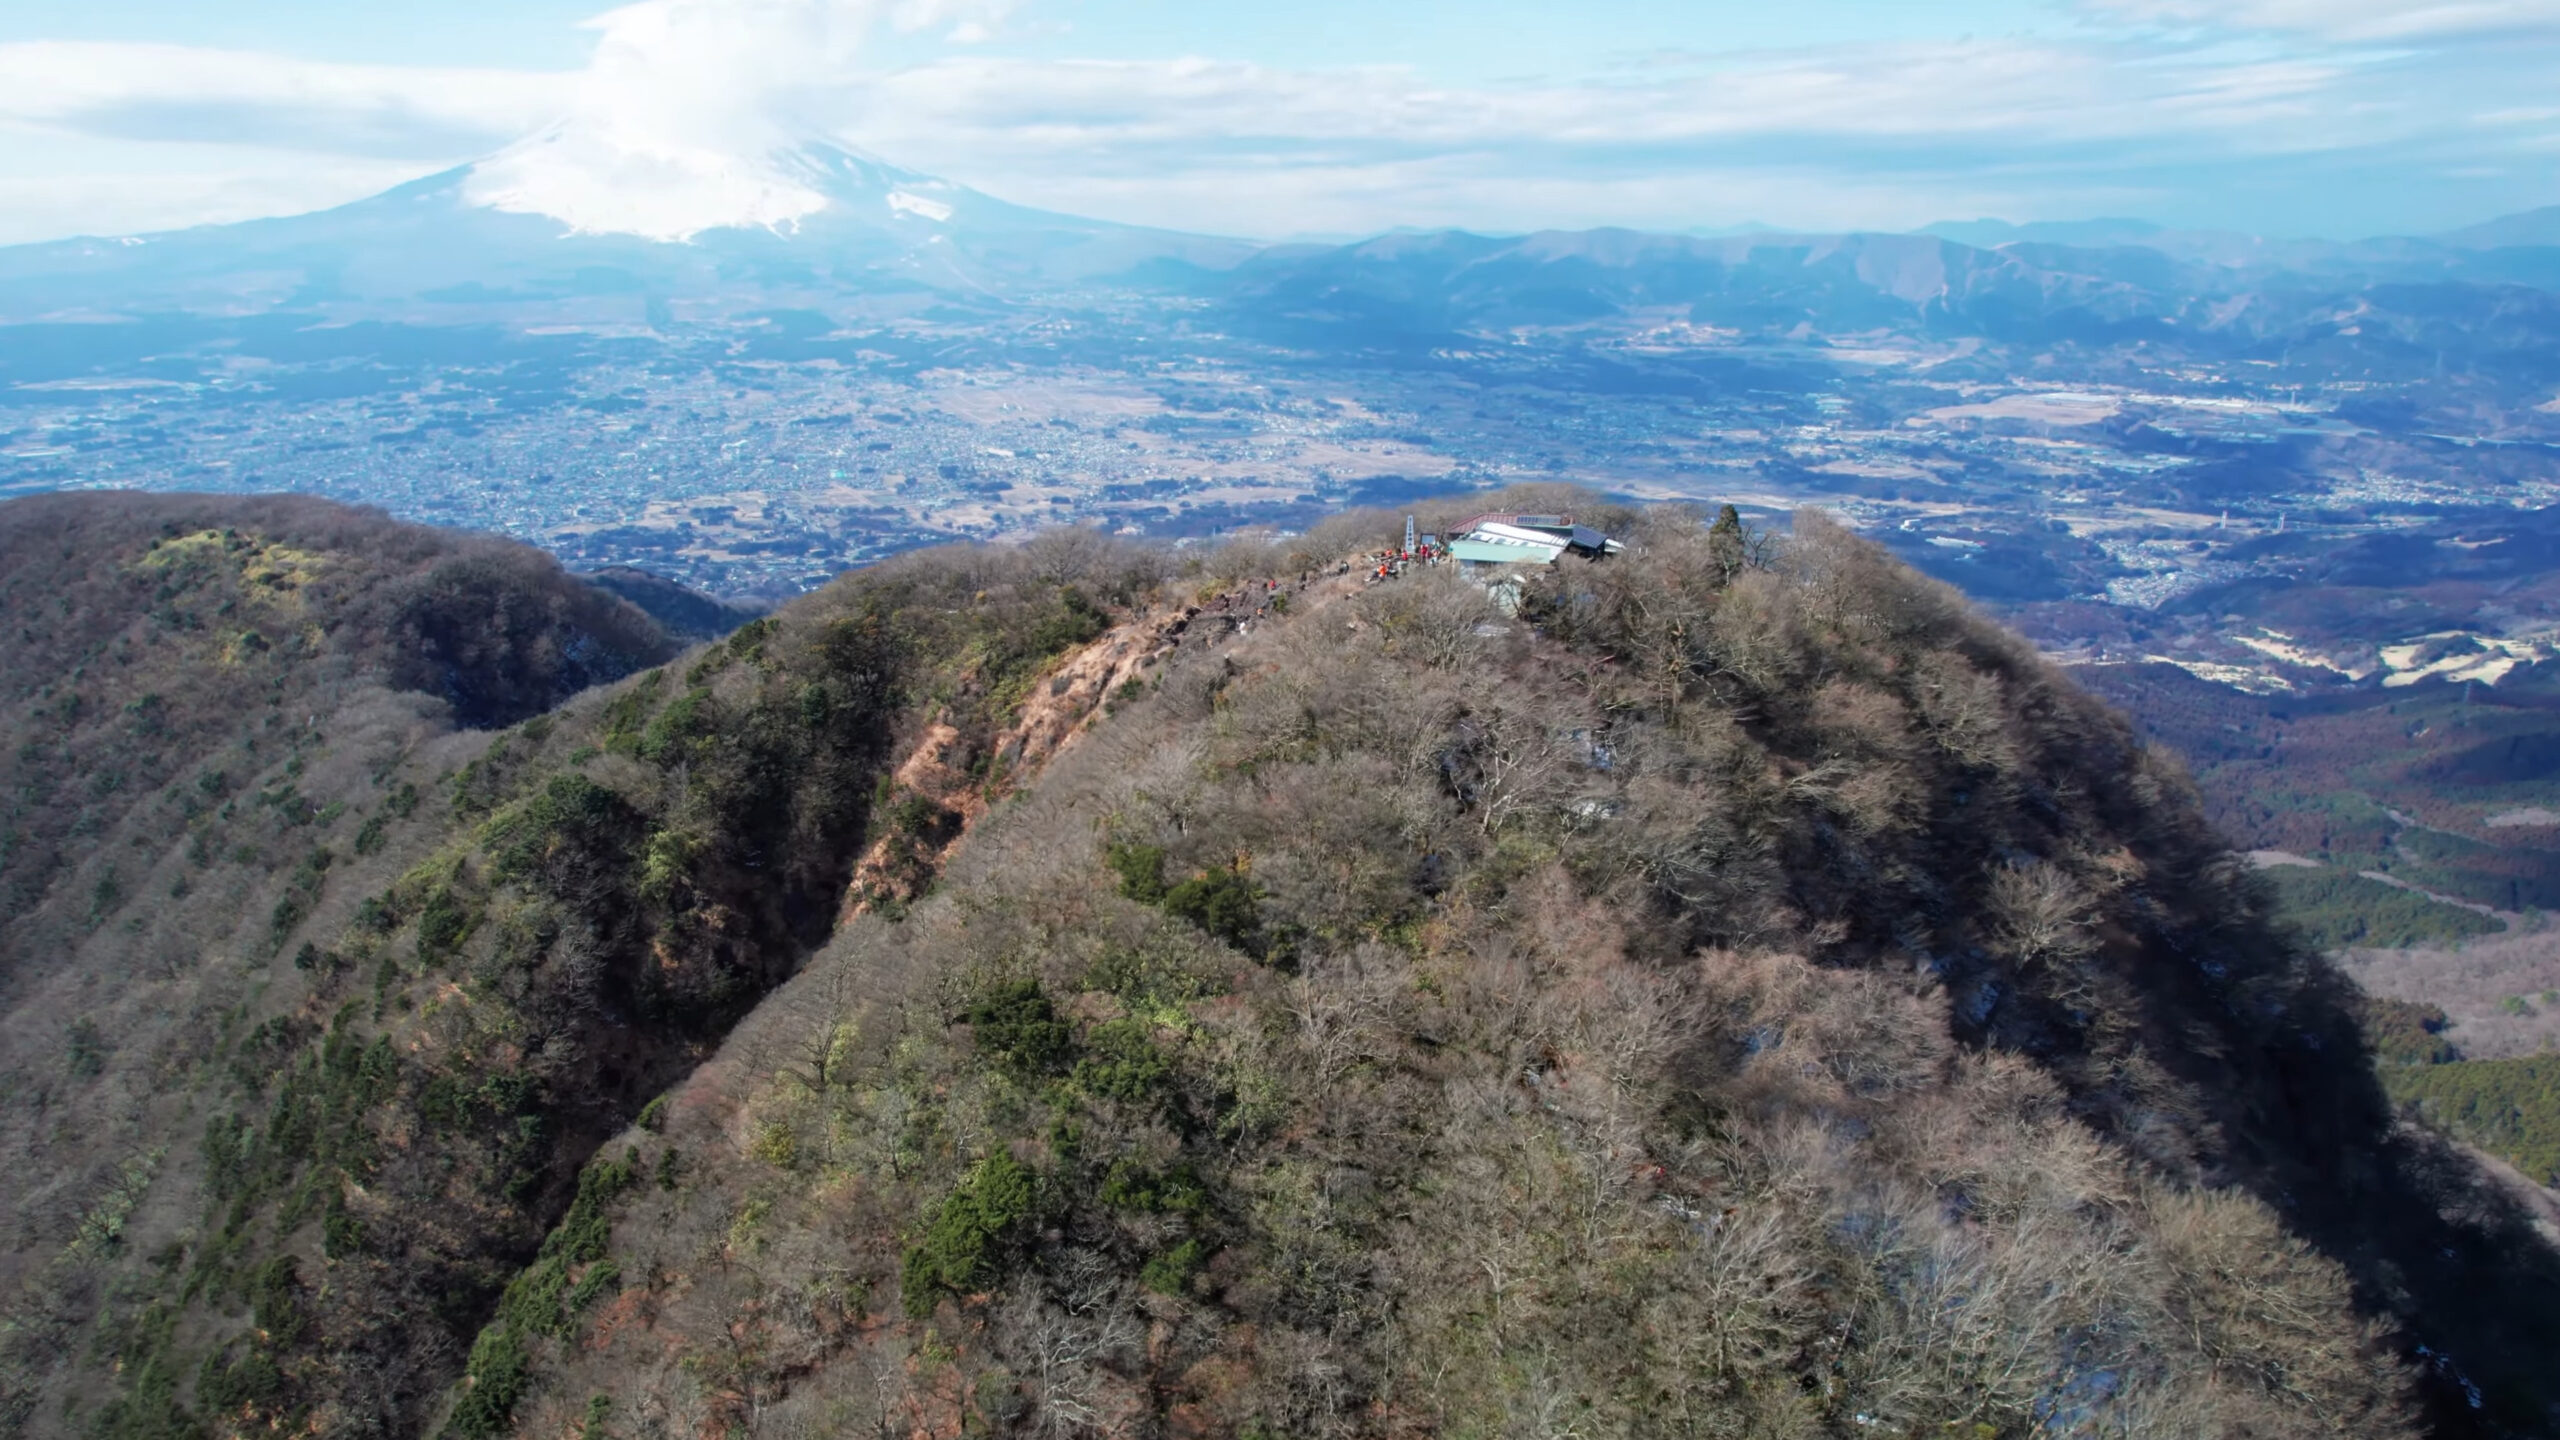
[596, 181]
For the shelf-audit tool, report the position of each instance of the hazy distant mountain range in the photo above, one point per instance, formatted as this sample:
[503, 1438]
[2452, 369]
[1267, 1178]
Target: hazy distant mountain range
[474, 242]
[556, 231]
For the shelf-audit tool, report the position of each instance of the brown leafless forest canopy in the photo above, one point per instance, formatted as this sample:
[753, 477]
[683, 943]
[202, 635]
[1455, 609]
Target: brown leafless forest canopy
[1060, 991]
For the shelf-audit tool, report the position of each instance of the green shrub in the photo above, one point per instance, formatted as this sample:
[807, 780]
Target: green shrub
[1122, 1063]
[1225, 903]
[962, 1241]
[1141, 871]
[341, 1233]
[1131, 1186]
[602, 1276]
[672, 734]
[377, 915]
[2402, 1032]
[302, 890]
[290, 911]
[1015, 1022]
[1170, 1272]
[571, 813]
[104, 897]
[747, 642]
[918, 817]
[493, 1380]
[1147, 976]
[1076, 621]
[275, 1300]
[148, 1409]
[225, 1387]
[666, 865]
[626, 713]
[542, 1301]
[444, 922]
[582, 1234]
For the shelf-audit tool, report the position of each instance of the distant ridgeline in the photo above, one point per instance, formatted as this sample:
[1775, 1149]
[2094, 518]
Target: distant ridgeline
[1056, 990]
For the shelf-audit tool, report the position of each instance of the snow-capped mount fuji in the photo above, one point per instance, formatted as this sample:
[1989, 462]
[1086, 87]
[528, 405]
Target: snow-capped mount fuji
[595, 184]
[565, 226]
[686, 194]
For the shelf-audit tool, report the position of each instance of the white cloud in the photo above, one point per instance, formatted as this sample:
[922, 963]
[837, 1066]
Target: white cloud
[2043, 93]
[2358, 20]
[1344, 198]
[674, 125]
[222, 97]
[84, 186]
[666, 130]
[119, 138]
[661, 134]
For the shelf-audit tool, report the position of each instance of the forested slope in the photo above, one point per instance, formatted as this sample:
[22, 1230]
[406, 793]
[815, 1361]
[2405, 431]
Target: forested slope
[1730, 998]
[201, 699]
[1044, 991]
[147, 635]
[290, 1116]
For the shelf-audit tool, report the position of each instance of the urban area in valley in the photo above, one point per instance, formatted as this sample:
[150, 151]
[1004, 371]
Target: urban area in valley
[2089, 505]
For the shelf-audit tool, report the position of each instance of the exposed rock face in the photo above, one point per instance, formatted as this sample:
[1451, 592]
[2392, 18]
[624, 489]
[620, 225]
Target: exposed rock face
[953, 774]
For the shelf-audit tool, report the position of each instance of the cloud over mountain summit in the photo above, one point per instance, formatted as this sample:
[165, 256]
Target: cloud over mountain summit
[682, 120]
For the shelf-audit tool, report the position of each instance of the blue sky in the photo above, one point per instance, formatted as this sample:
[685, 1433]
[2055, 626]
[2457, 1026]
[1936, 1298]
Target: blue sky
[1452, 40]
[1338, 117]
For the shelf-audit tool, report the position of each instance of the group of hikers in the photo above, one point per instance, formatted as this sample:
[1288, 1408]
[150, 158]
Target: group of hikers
[1387, 564]
[1255, 599]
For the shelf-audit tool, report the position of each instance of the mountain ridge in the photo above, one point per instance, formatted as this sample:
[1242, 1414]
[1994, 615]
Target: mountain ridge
[438, 241]
[1742, 990]
[514, 236]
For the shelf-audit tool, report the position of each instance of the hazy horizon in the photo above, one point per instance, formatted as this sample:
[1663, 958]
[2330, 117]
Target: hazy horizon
[2273, 117]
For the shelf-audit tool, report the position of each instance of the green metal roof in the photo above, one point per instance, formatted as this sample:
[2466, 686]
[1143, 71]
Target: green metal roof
[1493, 554]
